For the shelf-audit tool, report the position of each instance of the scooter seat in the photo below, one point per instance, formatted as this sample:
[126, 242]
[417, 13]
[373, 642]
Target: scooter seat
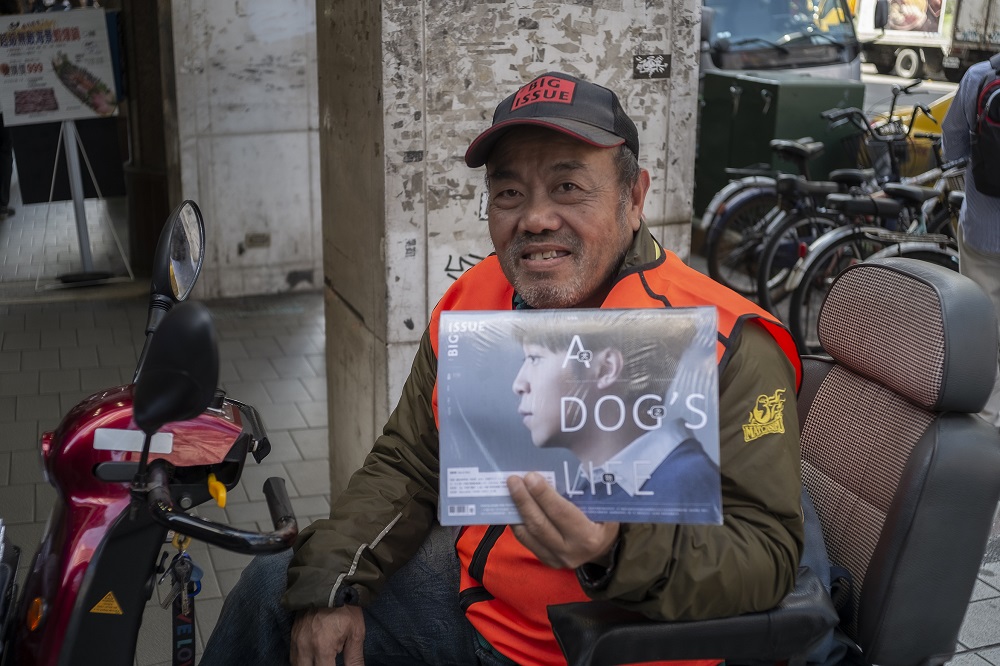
[795, 150]
[852, 177]
[792, 185]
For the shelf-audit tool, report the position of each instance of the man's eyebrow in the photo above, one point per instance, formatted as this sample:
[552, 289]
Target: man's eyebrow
[504, 173]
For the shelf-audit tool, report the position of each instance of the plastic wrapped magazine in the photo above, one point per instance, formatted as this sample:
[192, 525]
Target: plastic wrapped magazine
[616, 409]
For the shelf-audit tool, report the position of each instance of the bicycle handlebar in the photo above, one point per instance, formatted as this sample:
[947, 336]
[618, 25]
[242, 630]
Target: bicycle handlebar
[286, 528]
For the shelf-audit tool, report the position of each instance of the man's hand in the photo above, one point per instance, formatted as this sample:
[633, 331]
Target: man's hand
[556, 530]
[319, 635]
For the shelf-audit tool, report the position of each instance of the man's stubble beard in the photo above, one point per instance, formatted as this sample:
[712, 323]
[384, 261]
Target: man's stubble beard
[540, 295]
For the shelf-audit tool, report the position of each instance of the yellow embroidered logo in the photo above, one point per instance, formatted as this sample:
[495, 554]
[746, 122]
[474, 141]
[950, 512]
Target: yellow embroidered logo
[766, 416]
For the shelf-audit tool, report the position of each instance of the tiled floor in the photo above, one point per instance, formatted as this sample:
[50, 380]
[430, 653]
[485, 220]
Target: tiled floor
[58, 346]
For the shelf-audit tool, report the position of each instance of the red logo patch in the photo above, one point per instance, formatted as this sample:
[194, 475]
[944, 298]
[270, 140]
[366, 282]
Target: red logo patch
[544, 89]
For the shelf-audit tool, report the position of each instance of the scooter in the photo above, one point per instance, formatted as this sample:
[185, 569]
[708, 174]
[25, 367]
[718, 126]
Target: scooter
[127, 463]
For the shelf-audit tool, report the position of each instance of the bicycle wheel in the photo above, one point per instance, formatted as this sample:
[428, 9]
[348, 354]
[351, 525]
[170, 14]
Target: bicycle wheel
[785, 241]
[733, 242]
[817, 276]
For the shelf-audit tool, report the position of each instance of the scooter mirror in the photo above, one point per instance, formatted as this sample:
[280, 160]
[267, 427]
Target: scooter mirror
[181, 370]
[179, 255]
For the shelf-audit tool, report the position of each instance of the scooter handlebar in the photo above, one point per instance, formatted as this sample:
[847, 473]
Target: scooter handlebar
[286, 528]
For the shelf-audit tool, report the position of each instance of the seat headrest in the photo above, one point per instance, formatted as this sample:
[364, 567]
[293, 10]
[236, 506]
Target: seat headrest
[924, 331]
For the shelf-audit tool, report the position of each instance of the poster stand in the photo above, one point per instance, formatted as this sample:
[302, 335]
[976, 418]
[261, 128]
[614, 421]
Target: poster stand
[69, 141]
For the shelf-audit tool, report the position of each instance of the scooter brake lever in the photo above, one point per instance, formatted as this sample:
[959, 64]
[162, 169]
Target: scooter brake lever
[261, 444]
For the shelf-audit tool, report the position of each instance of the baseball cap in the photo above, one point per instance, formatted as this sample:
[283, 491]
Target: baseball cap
[581, 109]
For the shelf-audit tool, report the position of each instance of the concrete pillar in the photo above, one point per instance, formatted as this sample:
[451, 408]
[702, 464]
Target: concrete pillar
[404, 86]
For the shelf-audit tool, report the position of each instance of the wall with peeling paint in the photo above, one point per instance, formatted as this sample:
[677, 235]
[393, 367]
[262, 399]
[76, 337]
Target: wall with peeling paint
[396, 162]
[249, 144]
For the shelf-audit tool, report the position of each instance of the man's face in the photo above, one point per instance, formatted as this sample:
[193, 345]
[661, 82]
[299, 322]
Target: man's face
[556, 217]
[541, 383]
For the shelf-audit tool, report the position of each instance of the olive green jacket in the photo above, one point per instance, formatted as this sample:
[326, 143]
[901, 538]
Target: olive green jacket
[664, 571]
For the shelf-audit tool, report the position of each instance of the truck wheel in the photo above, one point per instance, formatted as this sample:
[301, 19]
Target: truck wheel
[908, 64]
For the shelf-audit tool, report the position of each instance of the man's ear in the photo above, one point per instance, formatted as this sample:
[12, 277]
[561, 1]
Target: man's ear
[638, 199]
[609, 363]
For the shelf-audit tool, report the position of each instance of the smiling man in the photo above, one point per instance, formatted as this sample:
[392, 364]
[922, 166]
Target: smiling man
[378, 581]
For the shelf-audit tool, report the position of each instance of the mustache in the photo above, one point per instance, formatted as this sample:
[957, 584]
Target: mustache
[519, 243]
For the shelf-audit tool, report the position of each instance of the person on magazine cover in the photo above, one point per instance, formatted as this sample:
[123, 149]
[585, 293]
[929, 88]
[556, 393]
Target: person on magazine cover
[560, 396]
[377, 582]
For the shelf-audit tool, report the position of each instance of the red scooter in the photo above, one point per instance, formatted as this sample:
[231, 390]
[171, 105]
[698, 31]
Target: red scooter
[126, 464]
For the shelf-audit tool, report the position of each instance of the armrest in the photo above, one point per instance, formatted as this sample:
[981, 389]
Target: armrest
[599, 632]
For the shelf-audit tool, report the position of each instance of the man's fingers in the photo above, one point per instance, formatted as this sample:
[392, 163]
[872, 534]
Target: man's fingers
[318, 636]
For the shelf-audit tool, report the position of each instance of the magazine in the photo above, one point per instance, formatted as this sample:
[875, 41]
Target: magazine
[616, 409]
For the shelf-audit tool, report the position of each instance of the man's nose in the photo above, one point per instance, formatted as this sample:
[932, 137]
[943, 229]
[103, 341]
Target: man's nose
[540, 215]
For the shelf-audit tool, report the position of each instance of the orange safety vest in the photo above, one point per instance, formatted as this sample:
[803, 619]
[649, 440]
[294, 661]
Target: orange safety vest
[505, 589]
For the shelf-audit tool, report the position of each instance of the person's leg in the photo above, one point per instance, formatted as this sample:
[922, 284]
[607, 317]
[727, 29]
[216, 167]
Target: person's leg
[416, 619]
[984, 270]
[253, 628]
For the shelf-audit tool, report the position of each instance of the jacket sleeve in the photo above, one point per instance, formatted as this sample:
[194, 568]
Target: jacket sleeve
[384, 514]
[959, 120]
[688, 572]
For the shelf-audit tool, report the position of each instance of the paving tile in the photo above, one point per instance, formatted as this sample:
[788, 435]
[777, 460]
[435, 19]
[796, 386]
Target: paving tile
[991, 655]
[281, 417]
[318, 363]
[18, 502]
[254, 369]
[316, 387]
[226, 560]
[285, 390]
[315, 505]
[44, 408]
[18, 383]
[981, 627]
[262, 348]
[313, 443]
[252, 393]
[315, 413]
[4, 470]
[293, 366]
[983, 590]
[57, 338]
[58, 381]
[248, 512]
[45, 359]
[283, 449]
[7, 410]
[19, 436]
[21, 340]
[232, 349]
[100, 378]
[95, 336]
[968, 659]
[78, 357]
[26, 467]
[254, 476]
[116, 354]
[10, 361]
[309, 478]
[45, 498]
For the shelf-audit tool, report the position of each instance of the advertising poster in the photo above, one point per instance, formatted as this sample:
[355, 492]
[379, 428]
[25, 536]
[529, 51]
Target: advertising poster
[56, 66]
[616, 409]
[910, 17]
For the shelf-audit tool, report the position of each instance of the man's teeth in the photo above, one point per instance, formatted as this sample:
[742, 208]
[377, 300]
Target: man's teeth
[535, 256]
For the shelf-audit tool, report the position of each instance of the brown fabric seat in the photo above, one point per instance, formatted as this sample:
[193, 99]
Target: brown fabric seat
[904, 477]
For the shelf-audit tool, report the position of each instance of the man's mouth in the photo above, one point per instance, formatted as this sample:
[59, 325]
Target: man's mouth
[548, 254]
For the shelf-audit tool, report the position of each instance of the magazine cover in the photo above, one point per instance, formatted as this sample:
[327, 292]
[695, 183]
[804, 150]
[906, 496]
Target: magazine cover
[617, 409]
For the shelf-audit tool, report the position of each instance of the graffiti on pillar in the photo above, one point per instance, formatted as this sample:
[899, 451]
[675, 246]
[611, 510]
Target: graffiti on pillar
[651, 66]
[461, 263]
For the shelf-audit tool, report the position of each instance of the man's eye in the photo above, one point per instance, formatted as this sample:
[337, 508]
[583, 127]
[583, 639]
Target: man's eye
[566, 187]
[506, 194]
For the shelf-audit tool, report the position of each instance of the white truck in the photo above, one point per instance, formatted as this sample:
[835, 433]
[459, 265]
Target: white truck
[937, 39]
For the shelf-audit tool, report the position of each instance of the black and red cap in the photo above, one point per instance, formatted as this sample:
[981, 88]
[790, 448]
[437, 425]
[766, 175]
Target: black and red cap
[581, 109]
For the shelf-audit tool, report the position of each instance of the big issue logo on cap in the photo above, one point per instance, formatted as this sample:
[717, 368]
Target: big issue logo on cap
[544, 89]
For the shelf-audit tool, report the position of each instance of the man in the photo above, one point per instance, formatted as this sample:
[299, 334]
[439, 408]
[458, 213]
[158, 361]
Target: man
[631, 453]
[979, 218]
[566, 196]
